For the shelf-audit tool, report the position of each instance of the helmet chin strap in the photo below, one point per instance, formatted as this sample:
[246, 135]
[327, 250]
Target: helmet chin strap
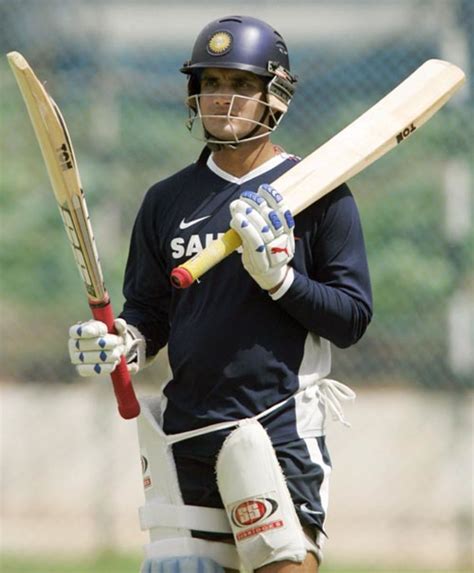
[213, 146]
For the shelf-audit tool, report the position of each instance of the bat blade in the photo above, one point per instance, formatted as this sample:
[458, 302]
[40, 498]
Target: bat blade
[58, 154]
[384, 126]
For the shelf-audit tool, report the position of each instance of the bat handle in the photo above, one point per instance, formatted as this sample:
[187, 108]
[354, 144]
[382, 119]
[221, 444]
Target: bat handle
[128, 405]
[184, 275]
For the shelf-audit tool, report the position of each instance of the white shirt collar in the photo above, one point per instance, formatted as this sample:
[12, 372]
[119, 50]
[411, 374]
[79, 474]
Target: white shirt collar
[267, 166]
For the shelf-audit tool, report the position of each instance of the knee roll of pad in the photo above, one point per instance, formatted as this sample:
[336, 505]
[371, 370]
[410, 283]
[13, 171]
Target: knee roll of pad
[256, 498]
[181, 565]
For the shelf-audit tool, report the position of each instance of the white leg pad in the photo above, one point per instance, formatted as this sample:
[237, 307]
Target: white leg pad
[259, 506]
[166, 516]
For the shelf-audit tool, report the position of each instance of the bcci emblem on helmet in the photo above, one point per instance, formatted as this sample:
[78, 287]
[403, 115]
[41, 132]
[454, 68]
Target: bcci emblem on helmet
[219, 44]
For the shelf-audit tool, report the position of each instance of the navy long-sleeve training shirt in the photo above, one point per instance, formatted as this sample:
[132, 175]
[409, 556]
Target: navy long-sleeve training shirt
[233, 350]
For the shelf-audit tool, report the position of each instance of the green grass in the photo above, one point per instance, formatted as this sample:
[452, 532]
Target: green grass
[104, 563]
[113, 563]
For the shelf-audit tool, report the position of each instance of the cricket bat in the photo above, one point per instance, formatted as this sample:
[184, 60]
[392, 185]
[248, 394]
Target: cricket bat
[55, 143]
[384, 126]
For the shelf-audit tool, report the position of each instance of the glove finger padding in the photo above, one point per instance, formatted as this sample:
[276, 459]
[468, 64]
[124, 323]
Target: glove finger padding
[106, 342]
[94, 351]
[276, 201]
[89, 329]
[265, 226]
[90, 370]
[112, 355]
[257, 220]
[254, 255]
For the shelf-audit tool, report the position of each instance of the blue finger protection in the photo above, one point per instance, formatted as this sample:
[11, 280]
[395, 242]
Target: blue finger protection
[253, 197]
[289, 219]
[271, 191]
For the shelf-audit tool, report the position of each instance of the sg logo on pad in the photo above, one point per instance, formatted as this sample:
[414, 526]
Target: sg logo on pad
[254, 515]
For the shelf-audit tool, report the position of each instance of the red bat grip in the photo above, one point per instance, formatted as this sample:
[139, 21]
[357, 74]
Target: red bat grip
[128, 405]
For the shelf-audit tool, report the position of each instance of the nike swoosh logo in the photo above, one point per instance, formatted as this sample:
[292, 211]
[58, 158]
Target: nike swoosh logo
[304, 507]
[185, 224]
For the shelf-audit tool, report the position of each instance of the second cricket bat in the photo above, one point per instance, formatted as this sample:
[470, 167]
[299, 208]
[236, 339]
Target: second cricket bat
[384, 126]
[55, 143]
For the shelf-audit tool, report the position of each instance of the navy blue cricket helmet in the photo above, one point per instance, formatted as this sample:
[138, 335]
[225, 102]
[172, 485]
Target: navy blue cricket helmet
[238, 42]
[242, 43]
[247, 44]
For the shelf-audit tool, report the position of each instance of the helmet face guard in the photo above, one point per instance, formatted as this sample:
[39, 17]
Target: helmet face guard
[256, 128]
[248, 44]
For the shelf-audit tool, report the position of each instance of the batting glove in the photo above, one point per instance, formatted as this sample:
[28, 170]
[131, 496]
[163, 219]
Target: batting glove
[265, 226]
[94, 351]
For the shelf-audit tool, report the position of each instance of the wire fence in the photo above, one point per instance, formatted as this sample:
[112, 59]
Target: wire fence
[123, 101]
[112, 66]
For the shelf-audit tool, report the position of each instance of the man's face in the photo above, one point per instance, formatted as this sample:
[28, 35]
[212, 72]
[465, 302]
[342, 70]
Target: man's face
[231, 102]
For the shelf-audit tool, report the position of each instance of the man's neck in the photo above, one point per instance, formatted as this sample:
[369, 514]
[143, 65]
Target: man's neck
[246, 157]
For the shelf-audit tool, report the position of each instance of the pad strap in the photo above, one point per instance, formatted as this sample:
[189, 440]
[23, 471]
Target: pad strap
[156, 514]
[330, 391]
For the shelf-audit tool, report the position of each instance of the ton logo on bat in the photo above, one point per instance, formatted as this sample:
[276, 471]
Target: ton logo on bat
[406, 132]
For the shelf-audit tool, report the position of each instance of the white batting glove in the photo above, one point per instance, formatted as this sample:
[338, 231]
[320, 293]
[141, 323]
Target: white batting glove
[95, 352]
[265, 226]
